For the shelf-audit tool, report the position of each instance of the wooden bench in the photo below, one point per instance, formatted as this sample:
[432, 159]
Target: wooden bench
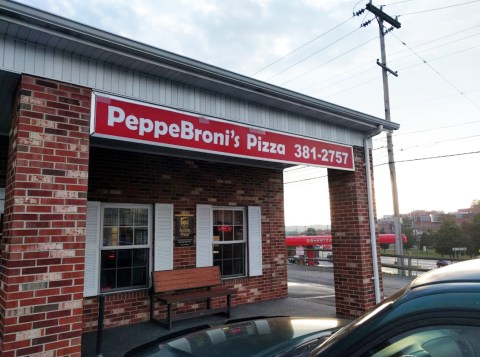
[185, 285]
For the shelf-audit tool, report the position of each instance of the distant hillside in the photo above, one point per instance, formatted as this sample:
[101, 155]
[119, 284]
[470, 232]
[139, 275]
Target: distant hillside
[300, 229]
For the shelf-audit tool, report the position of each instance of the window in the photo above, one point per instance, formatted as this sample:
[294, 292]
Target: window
[125, 247]
[229, 241]
[433, 341]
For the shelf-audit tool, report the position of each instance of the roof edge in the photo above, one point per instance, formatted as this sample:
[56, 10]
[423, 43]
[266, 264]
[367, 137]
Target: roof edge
[95, 37]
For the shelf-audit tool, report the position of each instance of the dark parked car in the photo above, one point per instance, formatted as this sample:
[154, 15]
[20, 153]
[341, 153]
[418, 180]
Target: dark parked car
[437, 315]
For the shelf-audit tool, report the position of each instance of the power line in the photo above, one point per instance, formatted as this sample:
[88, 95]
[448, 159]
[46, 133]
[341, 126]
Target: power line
[427, 145]
[333, 59]
[438, 73]
[302, 46]
[438, 8]
[398, 161]
[434, 99]
[432, 157]
[310, 88]
[395, 3]
[313, 54]
[439, 127]
[307, 179]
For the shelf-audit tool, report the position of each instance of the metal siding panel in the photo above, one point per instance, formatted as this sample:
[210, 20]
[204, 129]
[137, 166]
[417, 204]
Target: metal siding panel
[99, 75]
[67, 70]
[38, 59]
[29, 59]
[57, 65]
[48, 66]
[19, 56]
[149, 87]
[175, 90]
[107, 78]
[142, 83]
[74, 70]
[84, 70]
[135, 85]
[92, 73]
[168, 93]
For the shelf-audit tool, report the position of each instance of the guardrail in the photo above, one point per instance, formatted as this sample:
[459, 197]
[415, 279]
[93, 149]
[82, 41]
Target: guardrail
[404, 265]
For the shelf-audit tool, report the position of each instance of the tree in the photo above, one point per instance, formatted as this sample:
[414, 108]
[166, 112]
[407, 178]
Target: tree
[411, 239]
[311, 232]
[475, 203]
[449, 236]
[428, 239]
[384, 246]
[472, 231]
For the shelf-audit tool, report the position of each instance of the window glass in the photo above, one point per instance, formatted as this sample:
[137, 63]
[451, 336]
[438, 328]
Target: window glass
[432, 341]
[125, 249]
[229, 246]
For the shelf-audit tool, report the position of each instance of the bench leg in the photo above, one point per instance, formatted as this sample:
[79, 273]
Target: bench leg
[169, 316]
[228, 305]
[151, 307]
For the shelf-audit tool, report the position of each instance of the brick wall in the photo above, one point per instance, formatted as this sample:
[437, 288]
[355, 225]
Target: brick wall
[128, 177]
[353, 271]
[43, 244]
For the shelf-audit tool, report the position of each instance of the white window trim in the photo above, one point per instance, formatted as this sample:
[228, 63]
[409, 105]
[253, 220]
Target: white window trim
[94, 246]
[252, 238]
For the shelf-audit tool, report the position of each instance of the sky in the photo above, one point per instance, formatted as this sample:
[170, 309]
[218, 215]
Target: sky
[319, 48]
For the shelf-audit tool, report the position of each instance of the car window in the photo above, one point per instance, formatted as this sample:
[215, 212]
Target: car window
[432, 341]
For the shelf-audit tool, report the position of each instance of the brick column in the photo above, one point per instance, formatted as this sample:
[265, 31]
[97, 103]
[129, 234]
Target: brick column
[43, 247]
[353, 270]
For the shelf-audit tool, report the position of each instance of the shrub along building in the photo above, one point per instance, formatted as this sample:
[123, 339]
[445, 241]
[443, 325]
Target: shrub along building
[119, 159]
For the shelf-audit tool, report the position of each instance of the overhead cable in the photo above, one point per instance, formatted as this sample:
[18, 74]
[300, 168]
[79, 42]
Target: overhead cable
[302, 46]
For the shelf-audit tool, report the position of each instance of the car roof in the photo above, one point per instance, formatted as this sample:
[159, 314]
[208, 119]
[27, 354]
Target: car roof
[462, 272]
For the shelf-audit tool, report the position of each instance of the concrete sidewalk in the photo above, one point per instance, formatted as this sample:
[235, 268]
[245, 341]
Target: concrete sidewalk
[117, 341]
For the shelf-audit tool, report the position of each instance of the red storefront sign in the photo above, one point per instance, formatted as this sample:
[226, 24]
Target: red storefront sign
[127, 120]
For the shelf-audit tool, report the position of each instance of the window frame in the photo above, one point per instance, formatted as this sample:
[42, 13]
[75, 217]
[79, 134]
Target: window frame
[148, 246]
[244, 241]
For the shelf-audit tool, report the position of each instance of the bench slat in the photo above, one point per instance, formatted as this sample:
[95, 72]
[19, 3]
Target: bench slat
[182, 279]
[197, 295]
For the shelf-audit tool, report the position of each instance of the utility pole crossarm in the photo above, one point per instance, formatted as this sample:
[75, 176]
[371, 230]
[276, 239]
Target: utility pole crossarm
[383, 16]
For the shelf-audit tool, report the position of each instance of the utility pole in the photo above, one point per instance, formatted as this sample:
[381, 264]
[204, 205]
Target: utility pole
[381, 17]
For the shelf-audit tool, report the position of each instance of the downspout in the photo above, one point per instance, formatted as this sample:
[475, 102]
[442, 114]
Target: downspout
[373, 240]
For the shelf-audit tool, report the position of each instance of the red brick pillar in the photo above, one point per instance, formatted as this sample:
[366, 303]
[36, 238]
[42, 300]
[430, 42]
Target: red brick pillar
[43, 247]
[353, 269]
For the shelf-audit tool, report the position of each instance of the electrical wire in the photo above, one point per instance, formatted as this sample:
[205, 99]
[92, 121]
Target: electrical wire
[438, 8]
[431, 158]
[325, 63]
[397, 162]
[302, 46]
[439, 74]
[310, 88]
[313, 54]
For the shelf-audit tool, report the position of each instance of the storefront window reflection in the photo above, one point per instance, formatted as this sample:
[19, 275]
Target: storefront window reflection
[229, 244]
[125, 252]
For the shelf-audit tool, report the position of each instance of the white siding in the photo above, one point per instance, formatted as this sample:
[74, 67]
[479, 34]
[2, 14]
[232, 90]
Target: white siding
[38, 60]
